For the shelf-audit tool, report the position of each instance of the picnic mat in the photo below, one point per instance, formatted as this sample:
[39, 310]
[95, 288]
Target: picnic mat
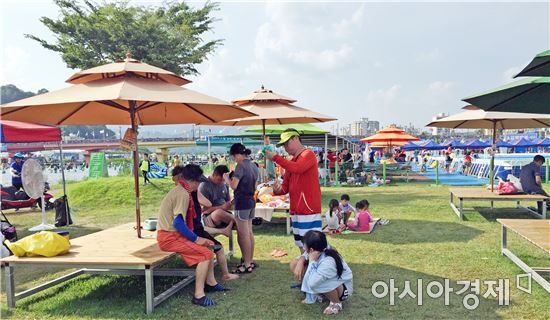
[372, 224]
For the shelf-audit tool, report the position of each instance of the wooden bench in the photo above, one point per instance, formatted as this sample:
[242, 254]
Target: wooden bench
[535, 231]
[115, 250]
[480, 194]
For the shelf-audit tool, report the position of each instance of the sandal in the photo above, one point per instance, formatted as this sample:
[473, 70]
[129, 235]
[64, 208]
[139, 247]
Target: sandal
[253, 264]
[203, 302]
[215, 288]
[333, 308]
[242, 269]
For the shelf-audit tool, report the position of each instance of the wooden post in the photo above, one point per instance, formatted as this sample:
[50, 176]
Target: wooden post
[136, 162]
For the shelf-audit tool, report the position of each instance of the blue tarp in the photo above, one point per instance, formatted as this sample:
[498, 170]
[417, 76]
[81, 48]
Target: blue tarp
[544, 143]
[430, 145]
[410, 146]
[524, 143]
[504, 144]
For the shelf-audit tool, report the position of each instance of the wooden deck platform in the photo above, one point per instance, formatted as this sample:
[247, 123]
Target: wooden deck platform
[482, 194]
[115, 250]
[535, 231]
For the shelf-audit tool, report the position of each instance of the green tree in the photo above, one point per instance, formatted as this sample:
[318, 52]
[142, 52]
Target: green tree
[168, 36]
[10, 92]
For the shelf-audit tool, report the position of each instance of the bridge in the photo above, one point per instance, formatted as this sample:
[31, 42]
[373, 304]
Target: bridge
[161, 145]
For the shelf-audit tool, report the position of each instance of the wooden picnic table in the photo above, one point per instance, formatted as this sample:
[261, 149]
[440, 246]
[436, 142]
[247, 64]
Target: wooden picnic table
[115, 250]
[481, 194]
[535, 231]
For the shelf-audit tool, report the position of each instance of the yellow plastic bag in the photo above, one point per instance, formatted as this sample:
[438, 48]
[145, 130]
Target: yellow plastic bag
[43, 243]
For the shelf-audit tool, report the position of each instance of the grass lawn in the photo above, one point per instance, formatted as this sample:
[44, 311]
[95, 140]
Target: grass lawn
[425, 240]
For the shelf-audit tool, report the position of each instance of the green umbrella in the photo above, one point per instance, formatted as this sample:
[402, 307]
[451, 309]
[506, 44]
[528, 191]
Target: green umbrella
[529, 95]
[302, 128]
[539, 67]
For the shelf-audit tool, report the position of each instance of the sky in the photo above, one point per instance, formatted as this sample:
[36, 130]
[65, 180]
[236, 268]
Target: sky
[395, 62]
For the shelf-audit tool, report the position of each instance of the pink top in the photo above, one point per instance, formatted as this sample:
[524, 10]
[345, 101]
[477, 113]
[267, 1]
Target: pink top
[362, 221]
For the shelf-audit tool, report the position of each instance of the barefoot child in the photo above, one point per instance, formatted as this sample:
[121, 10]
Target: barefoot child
[327, 274]
[362, 218]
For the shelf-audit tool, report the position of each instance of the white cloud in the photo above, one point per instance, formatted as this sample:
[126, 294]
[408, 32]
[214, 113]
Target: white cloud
[303, 39]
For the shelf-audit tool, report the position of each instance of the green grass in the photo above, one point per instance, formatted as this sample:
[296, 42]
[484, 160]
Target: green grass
[425, 240]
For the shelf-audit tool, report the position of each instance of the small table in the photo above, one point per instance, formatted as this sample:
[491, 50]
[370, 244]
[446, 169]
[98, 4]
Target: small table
[479, 194]
[115, 250]
[535, 231]
[266, 213]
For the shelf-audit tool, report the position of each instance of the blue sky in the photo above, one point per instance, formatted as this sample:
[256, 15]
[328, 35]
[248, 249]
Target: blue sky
[398, 62]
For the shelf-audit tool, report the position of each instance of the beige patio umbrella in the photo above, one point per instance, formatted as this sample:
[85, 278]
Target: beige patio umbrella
[127, 92]
[476, 118]
[272, 108]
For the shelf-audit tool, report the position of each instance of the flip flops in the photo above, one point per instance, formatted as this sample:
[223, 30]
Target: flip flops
[277, 253]
[384, 222]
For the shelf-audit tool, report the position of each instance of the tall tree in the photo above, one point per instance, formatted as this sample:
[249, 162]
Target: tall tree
[10, 92]
[168, 36]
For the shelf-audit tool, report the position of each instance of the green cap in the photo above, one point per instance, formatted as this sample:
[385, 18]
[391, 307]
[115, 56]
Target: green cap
[285, 136]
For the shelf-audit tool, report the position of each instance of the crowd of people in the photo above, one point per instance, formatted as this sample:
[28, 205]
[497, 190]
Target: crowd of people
[199, 208]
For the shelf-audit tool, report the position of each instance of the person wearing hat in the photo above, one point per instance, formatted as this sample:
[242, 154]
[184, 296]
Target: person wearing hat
[175, 233]
[16, 168]
[301, 182]
[243, 181]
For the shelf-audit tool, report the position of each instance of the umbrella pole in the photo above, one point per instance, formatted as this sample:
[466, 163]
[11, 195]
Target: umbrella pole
[327, 174]
[264, 176]
[135, 160]
[64, 182]
[493, 149]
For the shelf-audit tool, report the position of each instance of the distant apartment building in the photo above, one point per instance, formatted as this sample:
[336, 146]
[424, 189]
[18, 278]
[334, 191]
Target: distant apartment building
[440, 131]
[364, 127]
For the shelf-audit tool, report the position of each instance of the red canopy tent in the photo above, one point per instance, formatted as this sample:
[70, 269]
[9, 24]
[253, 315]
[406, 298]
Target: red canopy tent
[21, 132]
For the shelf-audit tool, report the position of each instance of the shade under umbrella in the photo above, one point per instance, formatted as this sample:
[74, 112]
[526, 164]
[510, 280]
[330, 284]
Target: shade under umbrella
[530, 95]
[125, 93]
[538, 67]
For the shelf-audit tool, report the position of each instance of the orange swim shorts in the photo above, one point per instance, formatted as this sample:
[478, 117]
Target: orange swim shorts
[190, 252]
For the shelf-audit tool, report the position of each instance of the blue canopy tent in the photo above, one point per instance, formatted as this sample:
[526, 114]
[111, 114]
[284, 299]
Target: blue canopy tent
[409, 146]
[504, 144]
[524, 143]
[430, 145]
[477, 144]
[544, 143]
[454, 143]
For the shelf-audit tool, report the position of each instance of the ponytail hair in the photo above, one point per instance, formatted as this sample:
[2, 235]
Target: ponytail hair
[317, 241]
[239, 148]
[333, 203]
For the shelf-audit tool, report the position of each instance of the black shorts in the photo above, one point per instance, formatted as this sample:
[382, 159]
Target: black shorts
[203, 234]
[345, 293]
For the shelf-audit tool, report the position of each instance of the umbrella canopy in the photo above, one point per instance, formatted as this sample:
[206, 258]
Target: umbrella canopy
[530, 95]
[21, 132]
[475, 118]
[390, 135]
[477, 144]
[539, 67]
[126, 93]
[544, 143]
[386, 144]
[302, 128]
[504, 144]
[272, 108]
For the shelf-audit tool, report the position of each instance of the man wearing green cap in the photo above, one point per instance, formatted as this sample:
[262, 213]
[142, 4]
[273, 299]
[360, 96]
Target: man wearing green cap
[301, 182]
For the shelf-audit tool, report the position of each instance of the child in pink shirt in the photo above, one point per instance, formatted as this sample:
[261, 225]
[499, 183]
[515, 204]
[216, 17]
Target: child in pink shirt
[362, 218]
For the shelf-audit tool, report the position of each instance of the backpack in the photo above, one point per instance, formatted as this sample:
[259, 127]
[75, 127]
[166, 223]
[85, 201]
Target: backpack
[61, 213]
[7, 229]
